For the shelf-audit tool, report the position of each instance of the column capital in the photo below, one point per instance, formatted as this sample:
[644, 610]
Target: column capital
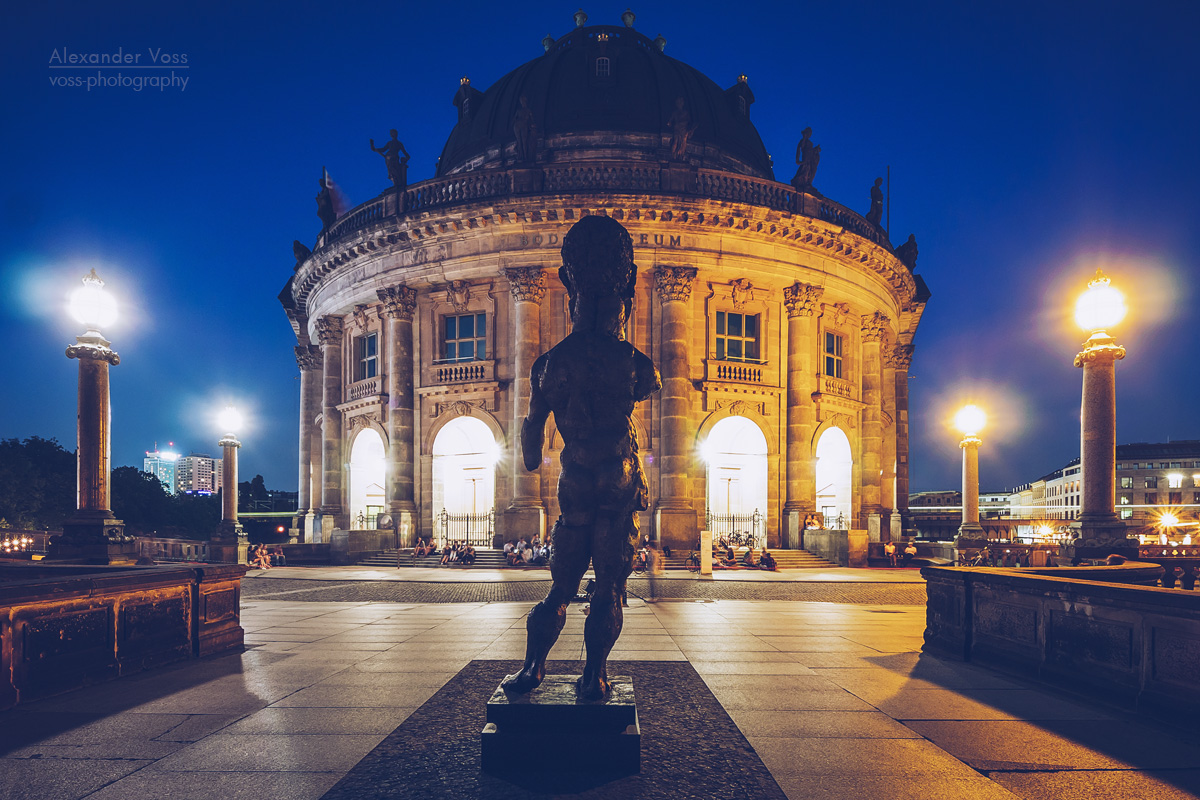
[399, 302]
[801, 299]
[308, 357]
[874, 327]
[898, 356]
[329, 330]
[674, 283]
[528, 284]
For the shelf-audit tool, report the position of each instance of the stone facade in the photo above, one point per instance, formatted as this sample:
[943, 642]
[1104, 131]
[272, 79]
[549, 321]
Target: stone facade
[479, 247]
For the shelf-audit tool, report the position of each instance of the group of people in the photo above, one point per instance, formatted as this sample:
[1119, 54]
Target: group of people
[725, 557]
[262, 557]
[457, 553]
[532, 553]
[889, 550]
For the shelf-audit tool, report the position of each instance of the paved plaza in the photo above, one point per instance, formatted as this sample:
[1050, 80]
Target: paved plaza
[835, 698]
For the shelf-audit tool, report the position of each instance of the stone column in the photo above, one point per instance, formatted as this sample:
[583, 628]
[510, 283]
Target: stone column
[675, 516]
[229, 545]
[801, 301]
[887, 482]
[902, 359]
[399, 303]
[970, 527]
[308, 357]
[874, 327]
[329, 334]
[526, 515]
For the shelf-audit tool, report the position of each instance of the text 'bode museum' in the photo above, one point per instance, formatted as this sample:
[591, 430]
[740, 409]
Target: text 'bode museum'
[781, 321]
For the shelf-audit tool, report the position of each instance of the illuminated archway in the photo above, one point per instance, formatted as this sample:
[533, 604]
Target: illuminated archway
[735, 452]
[835, 465]
[368, 463]
[464, 467]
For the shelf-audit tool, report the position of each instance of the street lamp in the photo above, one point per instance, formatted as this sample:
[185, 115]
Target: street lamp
[970, 420]
[229, 542]
[92, 534]
[1098, 532]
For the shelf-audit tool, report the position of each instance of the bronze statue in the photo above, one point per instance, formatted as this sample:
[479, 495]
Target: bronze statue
[523, 130]
[396, 158]
[590, 381]
[300, 251]
[875, 215]
[907, 252]
[682, 129]
[808, 156]
[325, 208]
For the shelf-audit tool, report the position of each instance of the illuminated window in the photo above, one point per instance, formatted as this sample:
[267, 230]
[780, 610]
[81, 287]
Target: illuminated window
[1176, 464]
[1174, 480]
[366, 356]
[603, 67]
[737, 336]
[464, 338]
[1196, 480]
[1126, 513]
[1151, 498]
[1126, 482]
[1126, 499]
[833, 355]
[1151, 483]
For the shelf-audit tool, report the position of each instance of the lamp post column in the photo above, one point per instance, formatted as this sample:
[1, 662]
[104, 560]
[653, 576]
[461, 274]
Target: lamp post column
[229, 544]
[329, 334]
[308, 357]
[874, 328]
[526, 515]
[399, 304]
[801, 301]
[675, 516]
[970, 527]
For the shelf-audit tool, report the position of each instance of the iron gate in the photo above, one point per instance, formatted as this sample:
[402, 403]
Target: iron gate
[737, 529]
[474, 529]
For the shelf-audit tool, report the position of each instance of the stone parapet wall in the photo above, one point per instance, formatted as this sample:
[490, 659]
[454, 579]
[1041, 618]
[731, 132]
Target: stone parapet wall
[1124, 643]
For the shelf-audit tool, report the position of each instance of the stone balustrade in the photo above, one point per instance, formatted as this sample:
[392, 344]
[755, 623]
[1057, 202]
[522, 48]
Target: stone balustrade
[462, 372]
[735, 372]
[370, 387]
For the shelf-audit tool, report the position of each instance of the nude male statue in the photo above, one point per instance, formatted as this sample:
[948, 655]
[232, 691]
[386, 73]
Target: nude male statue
[396, 159]
[590, 381]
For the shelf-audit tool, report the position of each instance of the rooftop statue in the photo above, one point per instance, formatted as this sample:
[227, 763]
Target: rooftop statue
[682, 129]
[325, 208]
[808, 156]
[907, 252]
[396, 158]
[590, 381]
[300, 251]
[523, 130]
[875, 215]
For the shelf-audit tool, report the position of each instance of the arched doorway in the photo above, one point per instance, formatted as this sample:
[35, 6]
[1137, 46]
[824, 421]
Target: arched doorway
[736, 454]
[368, 462]
[464, 481]
[834, 468]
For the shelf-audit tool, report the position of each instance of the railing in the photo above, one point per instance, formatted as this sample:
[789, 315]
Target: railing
[616, 176]
[363, 216]
[23, 543]
[733, 371]
[474, 529]
[1154, 551]
[837, 387]
[743, 189]
[461, 372]
[744, 529]
[366, 388]
[457, 188]
[172, 549]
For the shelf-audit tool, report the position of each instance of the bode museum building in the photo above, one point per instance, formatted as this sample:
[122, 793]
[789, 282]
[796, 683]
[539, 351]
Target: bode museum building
[781, 321]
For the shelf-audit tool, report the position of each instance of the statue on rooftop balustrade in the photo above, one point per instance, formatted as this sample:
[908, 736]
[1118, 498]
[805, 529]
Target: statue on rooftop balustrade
[325, 209]
[808, 156]
[907, 252]
[523, 130]
[682, 129]
[875, 215]
[591, 382]
[396, 158]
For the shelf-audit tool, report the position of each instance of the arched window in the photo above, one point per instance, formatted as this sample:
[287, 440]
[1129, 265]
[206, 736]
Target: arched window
[603, 67]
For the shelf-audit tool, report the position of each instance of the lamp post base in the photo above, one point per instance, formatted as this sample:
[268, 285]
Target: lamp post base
[229, 544]
[93, 540]
[1099, 539]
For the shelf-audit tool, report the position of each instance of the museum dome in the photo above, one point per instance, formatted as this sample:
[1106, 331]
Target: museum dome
[605, 92]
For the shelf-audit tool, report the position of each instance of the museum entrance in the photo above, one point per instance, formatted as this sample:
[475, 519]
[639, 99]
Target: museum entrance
[464, 482]
[368, 463]
[835, 465]
[736, 454]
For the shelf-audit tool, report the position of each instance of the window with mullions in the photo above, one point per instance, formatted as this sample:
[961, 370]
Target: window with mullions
[833, 354]
[366, 356]
[737, 336]
[464, 338]
[603, 67]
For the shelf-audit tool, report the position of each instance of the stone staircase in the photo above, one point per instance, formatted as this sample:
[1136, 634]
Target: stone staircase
[786, 559]
[494, 559]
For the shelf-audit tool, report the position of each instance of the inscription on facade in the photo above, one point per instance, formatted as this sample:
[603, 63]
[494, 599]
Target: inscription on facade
[640, 240]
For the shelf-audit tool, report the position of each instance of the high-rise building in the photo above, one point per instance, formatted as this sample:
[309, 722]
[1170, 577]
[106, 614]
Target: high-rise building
[199, 473]
[161, 464]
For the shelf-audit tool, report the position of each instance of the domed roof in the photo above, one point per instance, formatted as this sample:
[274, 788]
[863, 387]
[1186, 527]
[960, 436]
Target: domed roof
[619, 108]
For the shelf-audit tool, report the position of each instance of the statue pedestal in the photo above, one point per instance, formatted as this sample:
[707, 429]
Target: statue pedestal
[571, 737]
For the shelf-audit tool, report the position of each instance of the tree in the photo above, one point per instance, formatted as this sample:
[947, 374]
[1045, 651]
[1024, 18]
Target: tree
[37, 483]
[140, 501]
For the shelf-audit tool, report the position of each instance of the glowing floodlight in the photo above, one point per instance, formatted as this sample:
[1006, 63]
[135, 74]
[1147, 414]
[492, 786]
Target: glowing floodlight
[970, 420]
[230, 420]
[1100, 307]
[90, 305]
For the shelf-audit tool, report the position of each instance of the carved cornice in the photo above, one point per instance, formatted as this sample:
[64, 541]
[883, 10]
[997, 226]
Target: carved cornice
[874, 327]
[308, 357]
[801, 299]
[329, 330]
[899, 357]
[674, 283]
[528, 284]
[399, 302]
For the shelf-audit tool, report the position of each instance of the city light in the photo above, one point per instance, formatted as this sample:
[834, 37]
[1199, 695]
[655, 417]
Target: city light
[970, 420]
[230, 419]
[1100, 307]
[91, 305]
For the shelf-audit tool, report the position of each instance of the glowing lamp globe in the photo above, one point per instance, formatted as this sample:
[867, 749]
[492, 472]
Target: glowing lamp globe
[1101, 306]
[1168, 520]
[970, 420]
[91, 305]
[229, 420]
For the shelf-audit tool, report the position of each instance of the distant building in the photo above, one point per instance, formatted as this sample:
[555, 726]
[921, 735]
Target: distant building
[197, 473]
[161, 464]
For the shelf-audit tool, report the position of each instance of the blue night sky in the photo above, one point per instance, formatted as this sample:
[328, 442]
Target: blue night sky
[1029, 142]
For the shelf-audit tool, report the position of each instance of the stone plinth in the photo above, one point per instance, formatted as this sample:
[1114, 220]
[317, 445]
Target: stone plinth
[569, 736]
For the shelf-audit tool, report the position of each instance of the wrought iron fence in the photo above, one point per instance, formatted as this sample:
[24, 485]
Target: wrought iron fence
[474, 529]
[736, 529]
